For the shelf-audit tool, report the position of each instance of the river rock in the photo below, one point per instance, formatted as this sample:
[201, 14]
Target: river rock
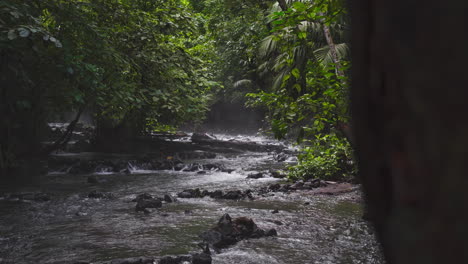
[227, 170]
[277, 174]
[169, 198]
[274, 187]
[175, 259]
[216, 194]
[257, 175]
[284, 188]
[179, 166]
[271, 232]
[185, 194]
[143, 196]
[190, 193]
[280, 157]
[138, 260]
[201, 258]
[297, 185]
[143, 204]
[233, 195]
[228, 232]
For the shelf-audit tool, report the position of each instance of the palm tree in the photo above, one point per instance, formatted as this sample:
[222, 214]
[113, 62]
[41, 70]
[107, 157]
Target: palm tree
[319, 46]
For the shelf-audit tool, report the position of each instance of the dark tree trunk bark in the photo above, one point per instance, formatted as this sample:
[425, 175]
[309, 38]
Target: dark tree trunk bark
[409, 93]
[283, 5]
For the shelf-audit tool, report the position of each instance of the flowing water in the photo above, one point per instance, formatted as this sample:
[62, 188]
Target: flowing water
[71, 227]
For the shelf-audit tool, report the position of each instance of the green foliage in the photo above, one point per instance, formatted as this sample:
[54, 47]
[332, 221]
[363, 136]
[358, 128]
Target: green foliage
[235, 28]
[144, 62]
[308, 94]
[326, 157]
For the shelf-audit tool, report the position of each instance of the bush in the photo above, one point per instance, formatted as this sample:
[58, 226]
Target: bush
[327, 157]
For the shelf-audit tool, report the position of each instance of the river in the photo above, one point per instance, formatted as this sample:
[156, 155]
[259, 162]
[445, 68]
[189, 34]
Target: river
[311, 227]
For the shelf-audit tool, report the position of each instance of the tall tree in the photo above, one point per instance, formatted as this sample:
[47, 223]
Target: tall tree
[409, 112]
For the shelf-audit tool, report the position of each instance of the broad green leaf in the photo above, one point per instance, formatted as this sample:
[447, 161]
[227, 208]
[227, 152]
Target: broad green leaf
[295, 72]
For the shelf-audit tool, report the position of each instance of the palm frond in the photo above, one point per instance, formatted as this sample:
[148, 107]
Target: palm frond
[267, 46]
[278, 81]
[324, 54]
[243, 83]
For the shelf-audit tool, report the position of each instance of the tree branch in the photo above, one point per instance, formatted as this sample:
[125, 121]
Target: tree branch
[63, 140]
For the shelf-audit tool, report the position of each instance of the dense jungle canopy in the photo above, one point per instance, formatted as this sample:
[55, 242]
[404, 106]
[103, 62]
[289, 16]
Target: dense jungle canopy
[144, 66]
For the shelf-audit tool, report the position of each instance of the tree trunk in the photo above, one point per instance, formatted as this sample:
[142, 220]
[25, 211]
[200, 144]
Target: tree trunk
[283, 5]
[334, 54]
[410, 124]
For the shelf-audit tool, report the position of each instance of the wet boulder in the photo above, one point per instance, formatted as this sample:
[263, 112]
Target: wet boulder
[227, 170]
[297, 185]
[256, 175]
[315, 183]
[169, 198]
[190, 193]
[279, 157]
[185, 194]
[144, 204]
[274, 187]
[284, 188]
[272, 232]
[233, 195]
[100, 195]
[216, 194]
[201, 258]
[228, 232]
[81, 145]
[179, 166]
[138, 260]
[143, 196]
